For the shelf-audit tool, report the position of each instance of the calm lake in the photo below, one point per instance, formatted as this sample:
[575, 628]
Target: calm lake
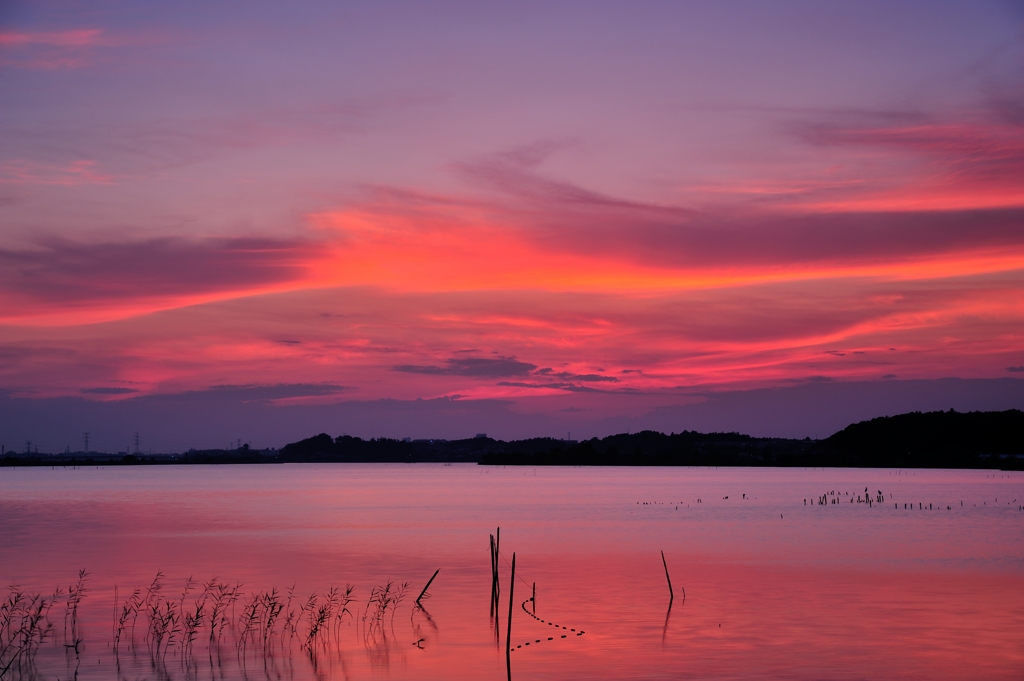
[777, 585]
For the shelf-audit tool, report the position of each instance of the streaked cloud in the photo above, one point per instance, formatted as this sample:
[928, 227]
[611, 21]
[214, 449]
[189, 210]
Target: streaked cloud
[471, 366]
[642, 209]
[108, 391]
[61, 275]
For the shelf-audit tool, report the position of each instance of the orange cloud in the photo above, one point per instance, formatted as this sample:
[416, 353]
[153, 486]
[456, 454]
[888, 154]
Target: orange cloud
[452, 252]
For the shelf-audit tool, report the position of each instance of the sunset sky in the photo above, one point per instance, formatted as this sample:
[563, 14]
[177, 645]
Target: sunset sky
[432, 219]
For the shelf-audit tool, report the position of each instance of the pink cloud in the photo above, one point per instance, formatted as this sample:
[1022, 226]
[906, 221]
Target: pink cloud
[927, 165]
[66, 49]
[74, 173]
[82, 37]
[513, 344]
[60, 275]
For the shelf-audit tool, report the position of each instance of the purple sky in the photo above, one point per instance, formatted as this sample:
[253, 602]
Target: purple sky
[437, 219]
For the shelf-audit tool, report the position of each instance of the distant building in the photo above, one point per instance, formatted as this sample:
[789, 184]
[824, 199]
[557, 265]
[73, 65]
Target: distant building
[481, 435]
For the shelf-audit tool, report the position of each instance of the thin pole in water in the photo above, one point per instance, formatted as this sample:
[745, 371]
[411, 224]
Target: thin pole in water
[671, 594]
[426, 587]
[511, 602]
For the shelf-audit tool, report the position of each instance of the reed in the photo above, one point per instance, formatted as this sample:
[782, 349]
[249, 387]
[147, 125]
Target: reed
[128, 610]
[24, 627]
[76, 592]
[344, 602]
[319, 616]
[151, 593]
[290, 615]
[270, 611]
[377, 607]
[193, 623]
[172, 626]
[222, 597]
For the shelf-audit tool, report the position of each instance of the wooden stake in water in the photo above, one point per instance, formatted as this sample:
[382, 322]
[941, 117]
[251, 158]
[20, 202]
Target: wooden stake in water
[671, 594]
[533, 598]
[494, 571]
[508, 637]
[422, 593]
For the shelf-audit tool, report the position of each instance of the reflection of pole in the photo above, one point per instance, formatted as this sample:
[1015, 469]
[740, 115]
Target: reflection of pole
[533, 598]
[508, 638]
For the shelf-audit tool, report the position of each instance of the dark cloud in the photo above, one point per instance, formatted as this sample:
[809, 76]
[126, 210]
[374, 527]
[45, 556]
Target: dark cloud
[1015, 369]
[810, 379]
[579, 221]
[483, 368]
[272, 392]
[514, 173]
[974, 153]
[63, 271]
[569, 376]
[108, 391]
[710, 240]
[524, 384]
[568, 387]
[559, 215]
[589, 378]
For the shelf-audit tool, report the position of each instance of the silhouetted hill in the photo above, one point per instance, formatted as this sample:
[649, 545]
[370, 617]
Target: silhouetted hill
[651, 448]
[917, 440]
[347, 449]
[937, 439]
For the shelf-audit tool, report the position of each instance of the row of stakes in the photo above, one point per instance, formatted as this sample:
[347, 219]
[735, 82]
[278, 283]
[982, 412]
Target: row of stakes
[833, 497]
[824, 499]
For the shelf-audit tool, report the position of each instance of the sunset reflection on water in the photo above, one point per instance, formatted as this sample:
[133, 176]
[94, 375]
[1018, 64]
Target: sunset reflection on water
[774, 587]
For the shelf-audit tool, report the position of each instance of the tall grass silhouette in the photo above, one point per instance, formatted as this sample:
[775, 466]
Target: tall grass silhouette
[159, 623]
[24, 626]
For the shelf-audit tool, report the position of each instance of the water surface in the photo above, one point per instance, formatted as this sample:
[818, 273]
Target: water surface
[776, 585]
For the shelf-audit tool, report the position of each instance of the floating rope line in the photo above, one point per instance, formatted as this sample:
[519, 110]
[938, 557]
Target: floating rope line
[559, 627]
